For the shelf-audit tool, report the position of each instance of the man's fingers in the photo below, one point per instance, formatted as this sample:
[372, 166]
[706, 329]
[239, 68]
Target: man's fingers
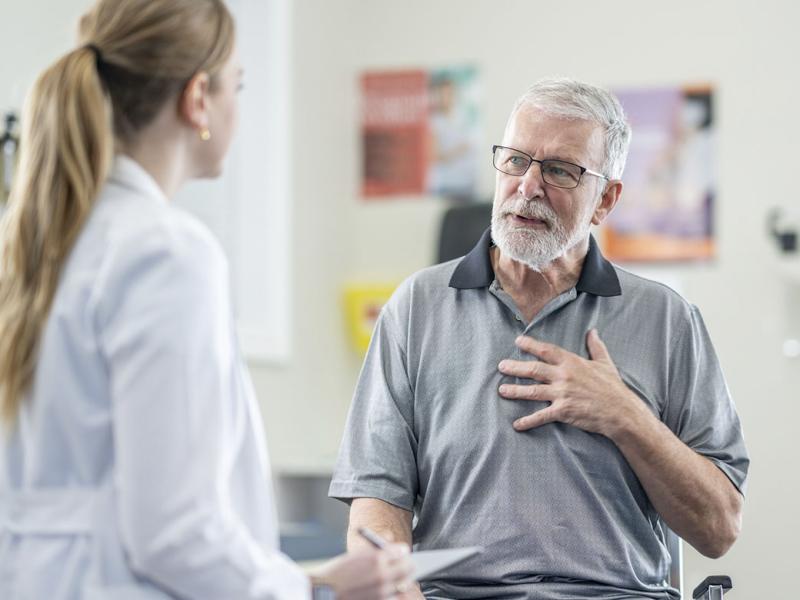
[530, 369]
[549, 353]
[541, 417]
[596, 346]
[535, 391]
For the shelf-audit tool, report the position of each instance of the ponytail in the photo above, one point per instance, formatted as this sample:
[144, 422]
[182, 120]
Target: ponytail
[65, 155]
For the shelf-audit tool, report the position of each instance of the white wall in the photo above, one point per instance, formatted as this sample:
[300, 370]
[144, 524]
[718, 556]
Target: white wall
[32, 35]
[746, 49]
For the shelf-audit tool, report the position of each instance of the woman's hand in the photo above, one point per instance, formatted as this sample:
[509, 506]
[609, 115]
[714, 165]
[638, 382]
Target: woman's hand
[368, 573]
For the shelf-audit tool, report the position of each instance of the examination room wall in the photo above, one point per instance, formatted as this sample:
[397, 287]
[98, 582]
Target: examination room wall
[747, 50]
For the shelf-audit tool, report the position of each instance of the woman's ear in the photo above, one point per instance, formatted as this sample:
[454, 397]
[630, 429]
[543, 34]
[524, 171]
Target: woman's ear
[193, 104]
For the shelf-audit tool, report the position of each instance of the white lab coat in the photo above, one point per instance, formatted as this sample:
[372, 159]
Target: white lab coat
[137, 468]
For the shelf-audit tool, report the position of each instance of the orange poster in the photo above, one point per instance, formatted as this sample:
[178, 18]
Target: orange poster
[395, 130]
[420, 133]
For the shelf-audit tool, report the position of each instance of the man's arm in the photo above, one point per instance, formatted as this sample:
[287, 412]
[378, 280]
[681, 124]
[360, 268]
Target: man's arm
[690, 493]
[388, 521]
[693, 496]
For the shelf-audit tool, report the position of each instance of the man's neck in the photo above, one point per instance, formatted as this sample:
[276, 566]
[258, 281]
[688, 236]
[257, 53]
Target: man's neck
[532, 290]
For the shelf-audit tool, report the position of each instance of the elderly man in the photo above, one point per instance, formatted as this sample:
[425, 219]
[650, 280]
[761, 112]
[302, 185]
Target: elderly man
[537, 400]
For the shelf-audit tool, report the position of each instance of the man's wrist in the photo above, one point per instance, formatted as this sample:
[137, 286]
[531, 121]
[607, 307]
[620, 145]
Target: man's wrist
[632, 421]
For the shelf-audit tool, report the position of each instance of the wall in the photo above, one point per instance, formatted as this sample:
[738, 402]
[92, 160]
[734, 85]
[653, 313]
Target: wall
[32, 35]
[746, 49]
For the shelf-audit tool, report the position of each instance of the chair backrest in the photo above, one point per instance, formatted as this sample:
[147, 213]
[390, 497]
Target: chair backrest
[675, 548]
[462, 227]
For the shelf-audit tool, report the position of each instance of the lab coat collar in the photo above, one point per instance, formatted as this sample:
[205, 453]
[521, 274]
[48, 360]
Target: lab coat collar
[128, 173]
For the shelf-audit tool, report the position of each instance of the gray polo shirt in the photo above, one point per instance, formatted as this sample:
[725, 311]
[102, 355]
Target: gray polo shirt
[558, 510]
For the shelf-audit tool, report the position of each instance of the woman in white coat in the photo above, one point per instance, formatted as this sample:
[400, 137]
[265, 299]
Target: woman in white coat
[132, 462]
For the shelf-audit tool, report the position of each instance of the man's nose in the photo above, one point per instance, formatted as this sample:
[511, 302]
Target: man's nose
[531, 184]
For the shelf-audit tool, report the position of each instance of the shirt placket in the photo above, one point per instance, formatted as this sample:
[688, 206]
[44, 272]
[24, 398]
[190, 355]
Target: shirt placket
[526, 329]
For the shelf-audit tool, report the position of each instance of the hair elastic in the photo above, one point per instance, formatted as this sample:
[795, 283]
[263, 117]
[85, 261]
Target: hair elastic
[98, 56]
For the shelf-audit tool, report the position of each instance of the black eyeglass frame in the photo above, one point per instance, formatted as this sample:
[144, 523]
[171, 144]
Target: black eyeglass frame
[541, 164]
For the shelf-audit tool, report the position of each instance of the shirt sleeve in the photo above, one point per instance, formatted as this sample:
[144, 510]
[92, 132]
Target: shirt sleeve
[700, 410]
[166, 333]
[378, 455]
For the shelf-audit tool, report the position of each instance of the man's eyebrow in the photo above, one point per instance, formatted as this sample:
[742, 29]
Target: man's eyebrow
[564, 158]
[565, 154]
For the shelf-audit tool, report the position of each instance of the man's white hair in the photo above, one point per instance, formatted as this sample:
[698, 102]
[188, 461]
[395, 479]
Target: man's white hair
[572, 99]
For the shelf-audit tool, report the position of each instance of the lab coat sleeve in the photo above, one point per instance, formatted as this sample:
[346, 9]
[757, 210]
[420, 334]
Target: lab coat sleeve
[166, 332]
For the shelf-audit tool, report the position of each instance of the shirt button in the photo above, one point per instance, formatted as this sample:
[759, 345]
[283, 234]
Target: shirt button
[518, 318]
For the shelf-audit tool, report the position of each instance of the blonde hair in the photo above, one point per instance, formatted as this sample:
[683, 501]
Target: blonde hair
[136, 56]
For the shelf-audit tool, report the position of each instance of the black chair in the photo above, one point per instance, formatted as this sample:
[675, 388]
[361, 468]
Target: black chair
[462, 227]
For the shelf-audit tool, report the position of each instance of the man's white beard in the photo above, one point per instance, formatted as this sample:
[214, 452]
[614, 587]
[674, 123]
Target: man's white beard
[535, 248]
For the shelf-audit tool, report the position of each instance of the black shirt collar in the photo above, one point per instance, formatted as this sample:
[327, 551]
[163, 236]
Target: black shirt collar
[475, 270]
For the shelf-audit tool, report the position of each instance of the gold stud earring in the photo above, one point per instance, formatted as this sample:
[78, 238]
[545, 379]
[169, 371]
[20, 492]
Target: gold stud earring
[205, 134]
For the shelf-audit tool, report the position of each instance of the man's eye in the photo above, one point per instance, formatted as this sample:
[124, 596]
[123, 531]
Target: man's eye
[561, 172]
[517, 161]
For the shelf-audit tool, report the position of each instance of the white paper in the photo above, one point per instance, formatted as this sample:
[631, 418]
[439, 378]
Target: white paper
[429, 562]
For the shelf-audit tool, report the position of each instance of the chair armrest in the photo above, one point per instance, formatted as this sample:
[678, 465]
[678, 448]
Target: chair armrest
[719, 580]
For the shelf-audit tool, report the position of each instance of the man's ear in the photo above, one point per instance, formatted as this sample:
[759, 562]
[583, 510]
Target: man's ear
[193, 103]
[608, 200]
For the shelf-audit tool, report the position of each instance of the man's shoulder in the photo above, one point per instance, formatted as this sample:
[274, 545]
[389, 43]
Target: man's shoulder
[422, 294]
[655, 294]
[427, 281]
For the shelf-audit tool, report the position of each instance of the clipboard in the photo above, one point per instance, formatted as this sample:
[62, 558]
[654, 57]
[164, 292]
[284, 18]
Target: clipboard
[430, 562]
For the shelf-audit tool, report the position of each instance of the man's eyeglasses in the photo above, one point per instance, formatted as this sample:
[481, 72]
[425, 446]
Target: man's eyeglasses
[557, 173]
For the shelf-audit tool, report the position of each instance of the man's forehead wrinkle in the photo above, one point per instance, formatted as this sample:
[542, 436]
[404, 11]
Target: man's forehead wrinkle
[534, 135]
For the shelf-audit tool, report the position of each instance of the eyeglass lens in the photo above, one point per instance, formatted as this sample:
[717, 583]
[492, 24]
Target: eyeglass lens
[554, 172]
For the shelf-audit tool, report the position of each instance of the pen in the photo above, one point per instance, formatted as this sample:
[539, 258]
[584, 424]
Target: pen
[372, 537]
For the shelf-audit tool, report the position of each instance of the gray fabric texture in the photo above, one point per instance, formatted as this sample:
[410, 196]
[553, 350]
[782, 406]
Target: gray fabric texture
[558, 510]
